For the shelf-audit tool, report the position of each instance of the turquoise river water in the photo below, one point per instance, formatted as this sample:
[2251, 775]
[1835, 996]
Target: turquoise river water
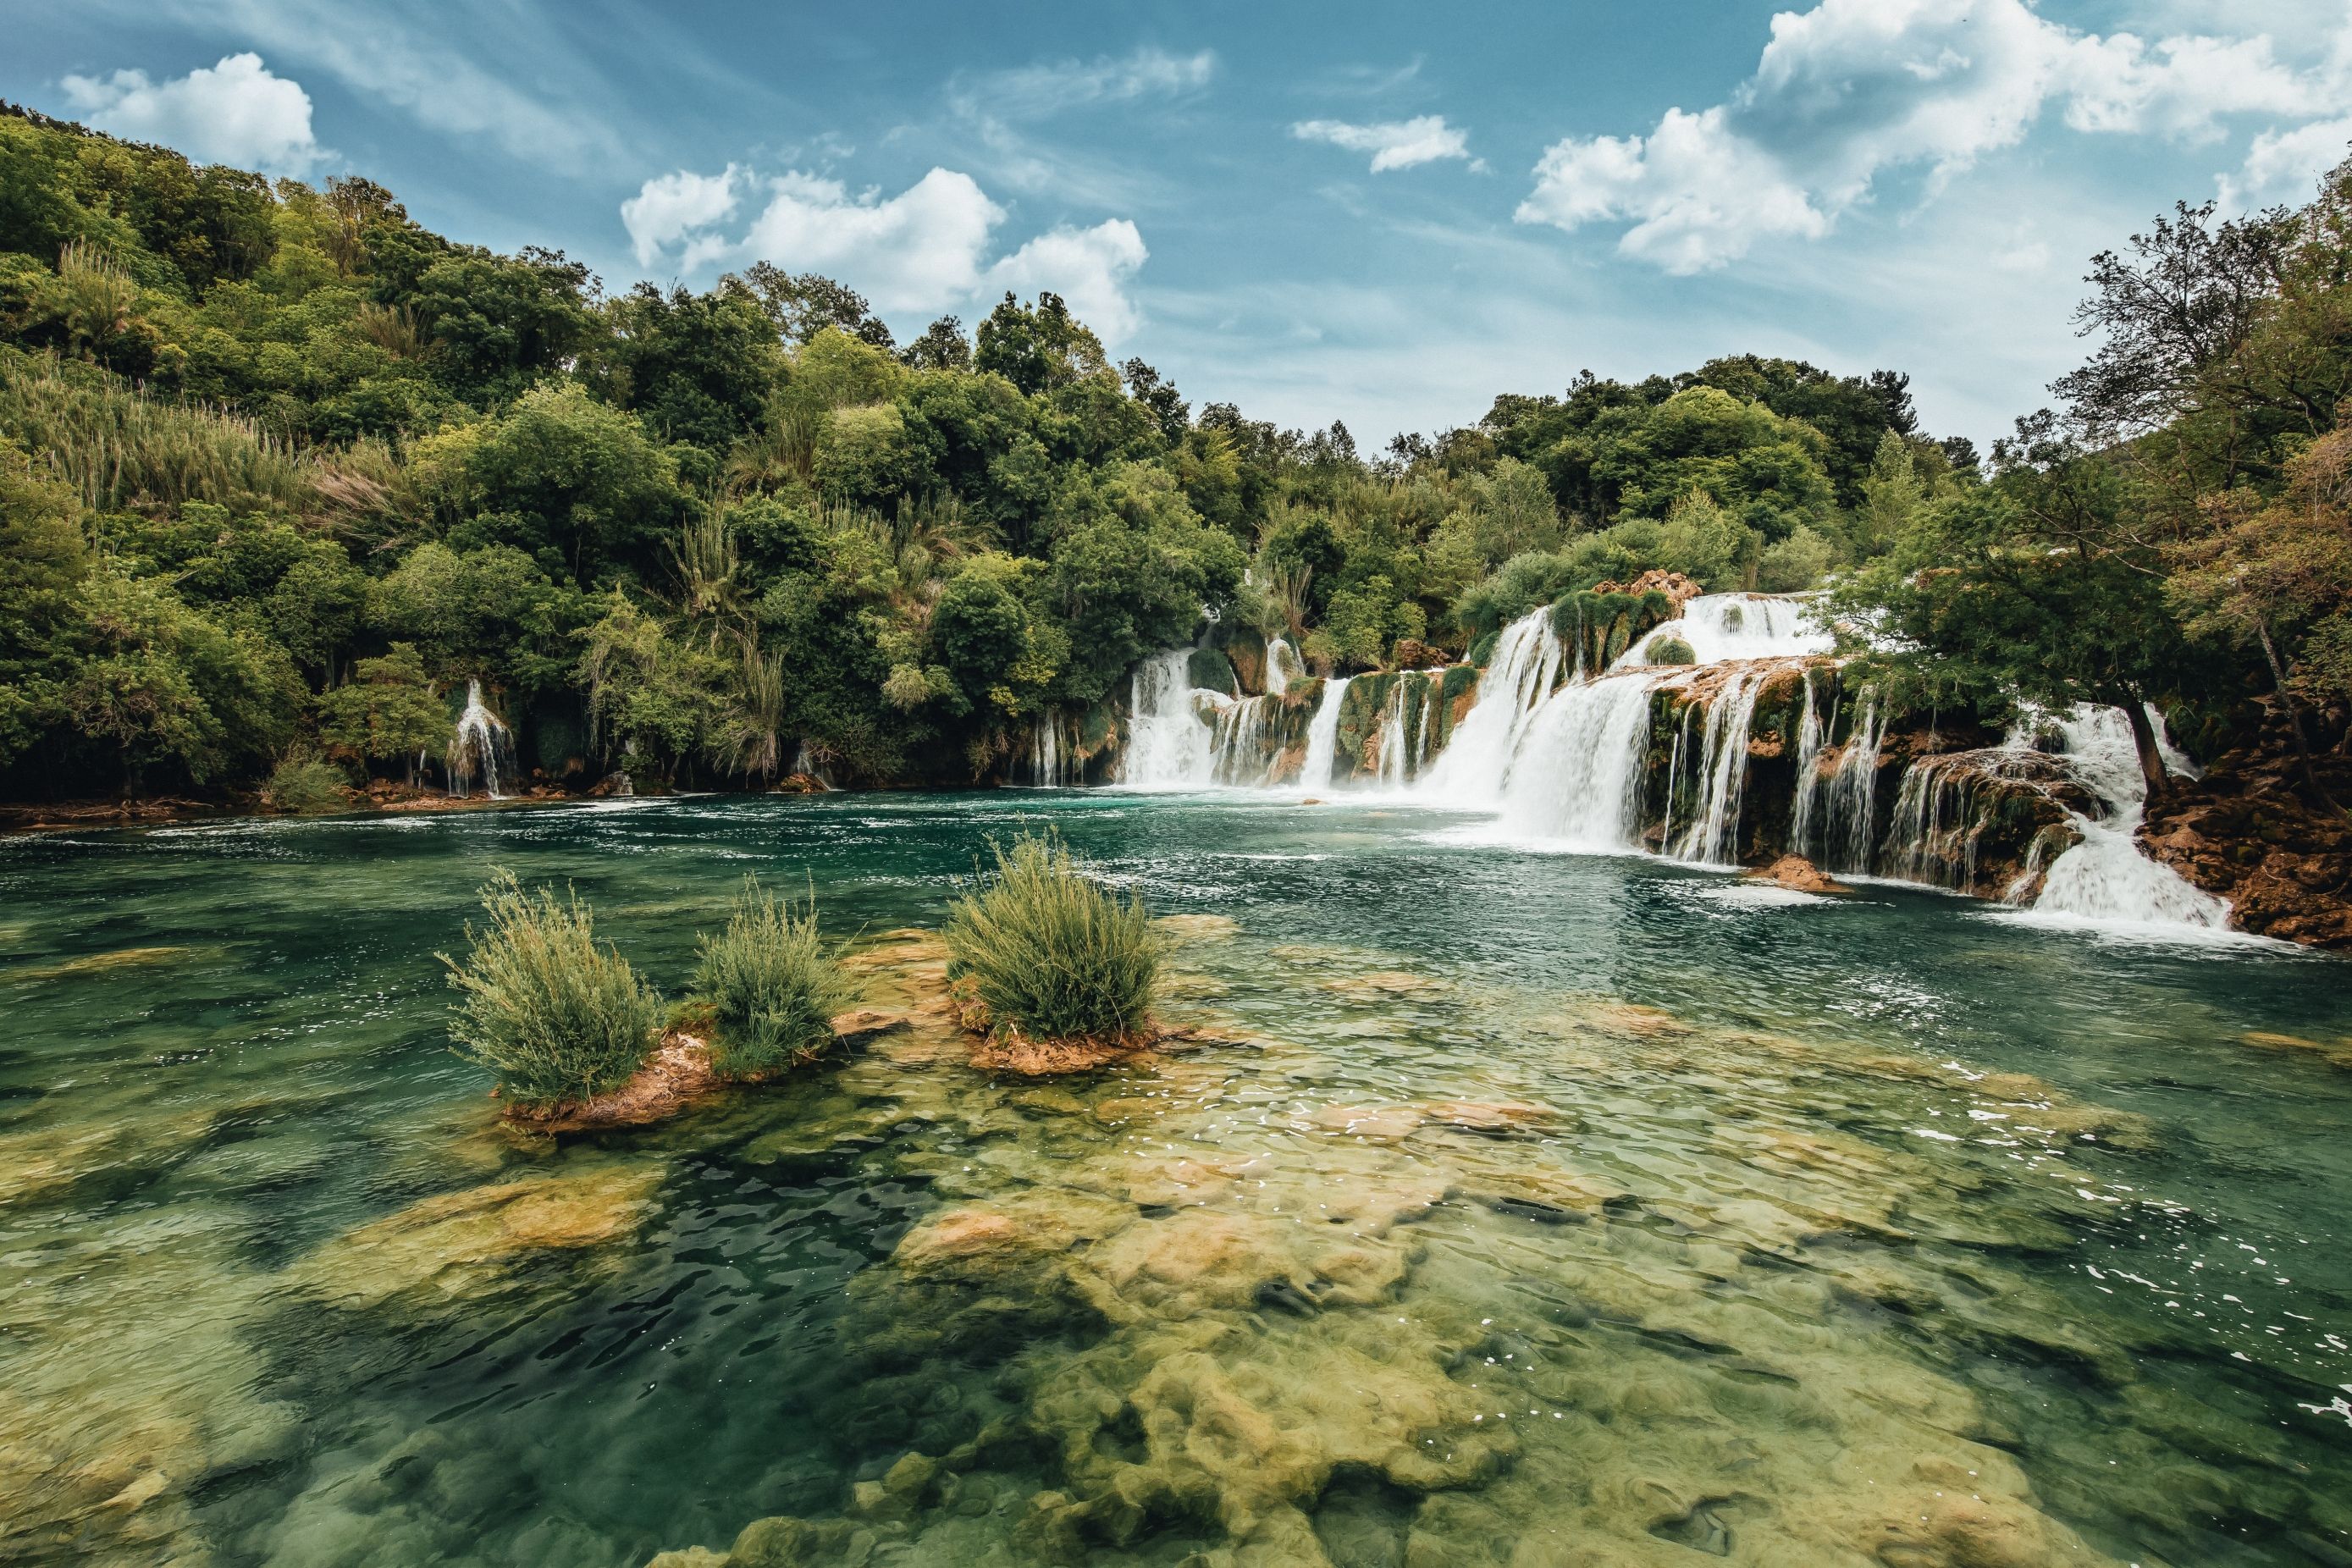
[1524, 1210]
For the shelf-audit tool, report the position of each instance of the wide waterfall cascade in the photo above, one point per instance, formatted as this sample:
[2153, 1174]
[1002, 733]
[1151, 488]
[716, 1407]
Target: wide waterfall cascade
[1283, 666]
[2107, 877]
[479, 748]
[1476, 766]
[1323, 736]
[1565, 761]
[1170, 741]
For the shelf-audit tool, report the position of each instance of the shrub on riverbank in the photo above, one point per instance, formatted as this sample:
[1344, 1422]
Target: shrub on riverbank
[1050, 953]
[304, 785]
[556, 1016]
[772, 987]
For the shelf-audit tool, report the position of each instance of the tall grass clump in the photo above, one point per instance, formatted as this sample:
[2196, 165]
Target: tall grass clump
[1050, 953]
[772, 986]
[117, 444]
[556, 1018]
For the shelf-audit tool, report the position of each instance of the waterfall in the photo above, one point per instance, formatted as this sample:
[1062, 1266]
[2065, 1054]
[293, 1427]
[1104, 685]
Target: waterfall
[2106, 876]
[1323, 736]
[1575, 776]
[479, 747]
[1723, 627]
[1171, 743]
[1237, 746]
[1713, 836]
[1850, 799]
[1049, 766]
[1809, 773]
[1283, 666]
[1938, 816]
[1476, 766]
[1394, 747]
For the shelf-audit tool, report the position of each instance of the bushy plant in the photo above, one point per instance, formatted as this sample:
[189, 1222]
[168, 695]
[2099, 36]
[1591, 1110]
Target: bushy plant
[1671, 650]
[304, 785]
[772, 987]
[556, 1016]
[1050, 953]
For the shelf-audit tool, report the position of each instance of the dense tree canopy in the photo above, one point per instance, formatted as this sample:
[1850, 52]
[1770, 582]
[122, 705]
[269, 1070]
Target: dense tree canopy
[281, 472]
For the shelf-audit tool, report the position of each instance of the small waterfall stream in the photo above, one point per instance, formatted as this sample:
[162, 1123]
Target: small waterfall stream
[1171, 744]
[1475, 770]
[1323, 736]
[2106, 876]
[479, 748]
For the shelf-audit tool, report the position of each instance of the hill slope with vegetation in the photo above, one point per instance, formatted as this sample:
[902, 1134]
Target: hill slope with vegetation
[281, 472]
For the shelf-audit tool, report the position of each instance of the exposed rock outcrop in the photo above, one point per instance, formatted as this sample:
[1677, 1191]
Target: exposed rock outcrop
[2285, 865]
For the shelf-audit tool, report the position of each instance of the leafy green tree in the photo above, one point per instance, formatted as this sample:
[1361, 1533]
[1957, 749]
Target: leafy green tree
[389, 711]
[590, 492]
[1039, 348]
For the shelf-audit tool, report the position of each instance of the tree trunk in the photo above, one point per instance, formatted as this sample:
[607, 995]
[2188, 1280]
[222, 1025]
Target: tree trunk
[2293, 718]
[2151, 759]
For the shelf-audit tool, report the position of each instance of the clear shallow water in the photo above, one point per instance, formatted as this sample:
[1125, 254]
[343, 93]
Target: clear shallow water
[1562, 1210]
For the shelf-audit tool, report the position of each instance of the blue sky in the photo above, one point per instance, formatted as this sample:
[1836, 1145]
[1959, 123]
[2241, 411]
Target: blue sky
[1379, 212]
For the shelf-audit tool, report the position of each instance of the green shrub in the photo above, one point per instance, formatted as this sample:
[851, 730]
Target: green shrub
[1672, 650]
[304, 785]
[1050, 953]
[554, 1016]
[772, 987]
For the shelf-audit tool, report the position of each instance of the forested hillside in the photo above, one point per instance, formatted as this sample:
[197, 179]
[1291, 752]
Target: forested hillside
[281, 472]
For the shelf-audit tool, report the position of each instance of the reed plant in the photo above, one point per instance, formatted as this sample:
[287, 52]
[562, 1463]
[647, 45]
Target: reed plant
[116, 444]
[1049, 951]
[771, 984]
[556, 1016]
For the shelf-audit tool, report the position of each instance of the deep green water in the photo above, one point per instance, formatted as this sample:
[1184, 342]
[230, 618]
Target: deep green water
[1883, 1230]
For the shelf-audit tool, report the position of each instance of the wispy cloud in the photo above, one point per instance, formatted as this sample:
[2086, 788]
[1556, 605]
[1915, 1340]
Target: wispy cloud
[1051, 87]
[431, 73]
[1394, 143]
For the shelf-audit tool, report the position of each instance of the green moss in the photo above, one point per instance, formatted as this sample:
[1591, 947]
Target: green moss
[1210, 669]
[1672, 650]
[1482, 652]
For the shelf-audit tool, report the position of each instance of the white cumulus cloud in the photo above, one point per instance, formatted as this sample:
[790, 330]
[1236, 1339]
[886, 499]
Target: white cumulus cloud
[1088, 267]
[1853, 89]
[235, 113]
[928, 249]
[917, 250]
[2284, 165]
[1394, 143]
[676, 208]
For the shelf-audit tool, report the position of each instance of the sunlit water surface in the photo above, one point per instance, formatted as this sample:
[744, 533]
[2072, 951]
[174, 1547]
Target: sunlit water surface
[1556, 1210]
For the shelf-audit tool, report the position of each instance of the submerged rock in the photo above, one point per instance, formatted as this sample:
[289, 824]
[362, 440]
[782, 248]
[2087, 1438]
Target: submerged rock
[461, 1243]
